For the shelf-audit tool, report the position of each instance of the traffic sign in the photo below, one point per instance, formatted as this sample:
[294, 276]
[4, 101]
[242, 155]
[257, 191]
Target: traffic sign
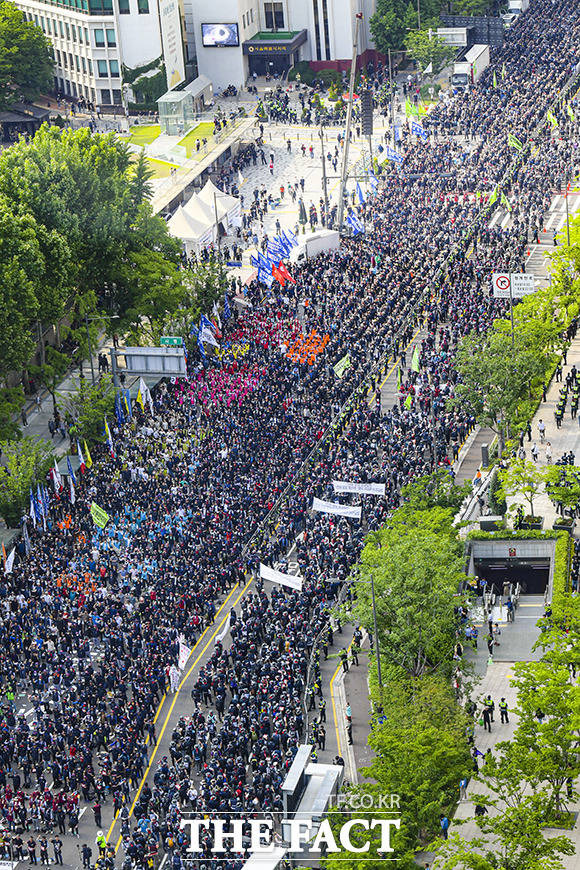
[512, 284]
[501, 285]
[170, 341]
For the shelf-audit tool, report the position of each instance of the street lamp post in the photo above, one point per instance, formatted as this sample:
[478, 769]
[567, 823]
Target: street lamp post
[344, 172]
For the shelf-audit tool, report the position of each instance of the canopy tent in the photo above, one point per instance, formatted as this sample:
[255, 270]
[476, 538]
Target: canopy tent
[195, 230]
[228, 207]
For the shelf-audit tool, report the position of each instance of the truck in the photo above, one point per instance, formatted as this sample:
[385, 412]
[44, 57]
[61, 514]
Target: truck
[518, 6]
[312, 244]
[468, 70]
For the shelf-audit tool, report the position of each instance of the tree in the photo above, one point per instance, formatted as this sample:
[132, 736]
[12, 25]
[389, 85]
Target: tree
[524, 478]
[426, 49]
[563, 485]
[471, 7]
[420, 754]
[11, 401]
[494, 377]
[416, 572]
[435, 490]
[203, 285]
[387, 25]
[547, 746]
[87, 408]
[26, 463]
[51, 372]
[26, 66]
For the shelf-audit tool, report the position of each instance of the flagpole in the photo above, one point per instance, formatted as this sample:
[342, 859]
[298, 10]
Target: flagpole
[344, 172]
[392, 98]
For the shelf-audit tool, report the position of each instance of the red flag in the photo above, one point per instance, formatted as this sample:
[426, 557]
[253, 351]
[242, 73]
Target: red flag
[278, 275]
[285, 273]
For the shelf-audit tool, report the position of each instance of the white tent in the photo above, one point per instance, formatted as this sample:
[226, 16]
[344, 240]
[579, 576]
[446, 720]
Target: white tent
[227, 207]
[193, 228]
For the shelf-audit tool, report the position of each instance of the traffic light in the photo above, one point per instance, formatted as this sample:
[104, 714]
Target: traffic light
[366, 110]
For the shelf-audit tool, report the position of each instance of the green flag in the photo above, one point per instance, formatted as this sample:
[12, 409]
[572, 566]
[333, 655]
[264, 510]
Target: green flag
[552, 119]
[514, 142]
[494, 79]
[341, 366]
[415, 360]
[100, 517]
[494, 196]
[408, 401]
[570, 111]
[503, 71]
[505, 202]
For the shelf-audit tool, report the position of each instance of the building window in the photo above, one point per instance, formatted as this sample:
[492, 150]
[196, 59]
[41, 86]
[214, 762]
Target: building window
[274, 15]
[105, 97]
[111, 38]
[58, 60]
[42, 24]
[77, 64]
[143, 7]
[317, 29]
[64, 60]
[114, 67]
[124, 7]
[252, 15]
[84, 64]
[87, 36]
[67, 32]
[90, 63]
[102, 67]
[100, 38]
[117, 97]
[74, 32]
[61, 29]
[244, 21]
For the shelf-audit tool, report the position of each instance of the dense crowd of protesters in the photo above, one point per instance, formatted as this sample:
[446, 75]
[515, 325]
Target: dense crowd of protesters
[222, 475]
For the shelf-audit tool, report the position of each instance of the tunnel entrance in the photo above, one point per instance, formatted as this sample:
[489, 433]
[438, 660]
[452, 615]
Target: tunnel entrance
[532, 574]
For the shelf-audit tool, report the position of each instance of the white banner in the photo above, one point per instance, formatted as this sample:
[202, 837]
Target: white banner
[362, 488]
[184, 654]
[331, 507]
[219, 637]
[294, 582]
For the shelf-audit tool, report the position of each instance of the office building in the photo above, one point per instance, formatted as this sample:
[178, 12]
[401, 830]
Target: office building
[92, 41]
[236, 38]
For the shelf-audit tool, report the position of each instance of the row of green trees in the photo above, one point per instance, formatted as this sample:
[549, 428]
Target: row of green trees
[26, 65]
[395, 19]
[420, 728]
[82, 250]
[502, 373]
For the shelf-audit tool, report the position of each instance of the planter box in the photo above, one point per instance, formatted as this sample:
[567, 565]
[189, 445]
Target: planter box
[536, 523]
[564, 525]
[491, 523]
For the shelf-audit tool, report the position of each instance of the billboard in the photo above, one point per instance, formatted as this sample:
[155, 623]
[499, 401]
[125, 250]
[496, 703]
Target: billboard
[172, 42]
[213, 35]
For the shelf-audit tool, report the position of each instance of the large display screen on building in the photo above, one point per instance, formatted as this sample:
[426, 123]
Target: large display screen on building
[213, 35]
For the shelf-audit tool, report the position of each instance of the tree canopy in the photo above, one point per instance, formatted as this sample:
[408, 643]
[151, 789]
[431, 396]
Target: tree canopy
[26, 63]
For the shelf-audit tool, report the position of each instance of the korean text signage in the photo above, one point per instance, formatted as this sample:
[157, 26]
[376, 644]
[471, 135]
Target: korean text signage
[172, 42]
[512, 284]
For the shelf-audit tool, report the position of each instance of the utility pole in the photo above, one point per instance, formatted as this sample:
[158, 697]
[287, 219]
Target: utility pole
[379, 673]
[90, 349]
[392, 98]
[344, 172]
[324, 183]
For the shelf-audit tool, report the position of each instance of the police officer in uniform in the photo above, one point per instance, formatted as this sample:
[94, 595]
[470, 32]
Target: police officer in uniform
[503, 711]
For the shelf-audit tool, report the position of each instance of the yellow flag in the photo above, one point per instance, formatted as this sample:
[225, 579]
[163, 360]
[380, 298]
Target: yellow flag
[88, 460]
[139, 400]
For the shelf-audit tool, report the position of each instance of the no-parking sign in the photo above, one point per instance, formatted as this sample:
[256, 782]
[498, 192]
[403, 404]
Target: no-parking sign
[501, 283]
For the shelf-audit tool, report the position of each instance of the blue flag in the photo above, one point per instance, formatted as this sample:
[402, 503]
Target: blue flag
[373, 181]
[205, 323]
[227, 309]
[70, 469]
[418, 130]
[290, 237]
[356, 224]
[394, 156]
[360, 194]
[119, 410]
[397, 133]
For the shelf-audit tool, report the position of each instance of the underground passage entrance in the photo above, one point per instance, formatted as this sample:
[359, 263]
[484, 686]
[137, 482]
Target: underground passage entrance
[531, 574]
